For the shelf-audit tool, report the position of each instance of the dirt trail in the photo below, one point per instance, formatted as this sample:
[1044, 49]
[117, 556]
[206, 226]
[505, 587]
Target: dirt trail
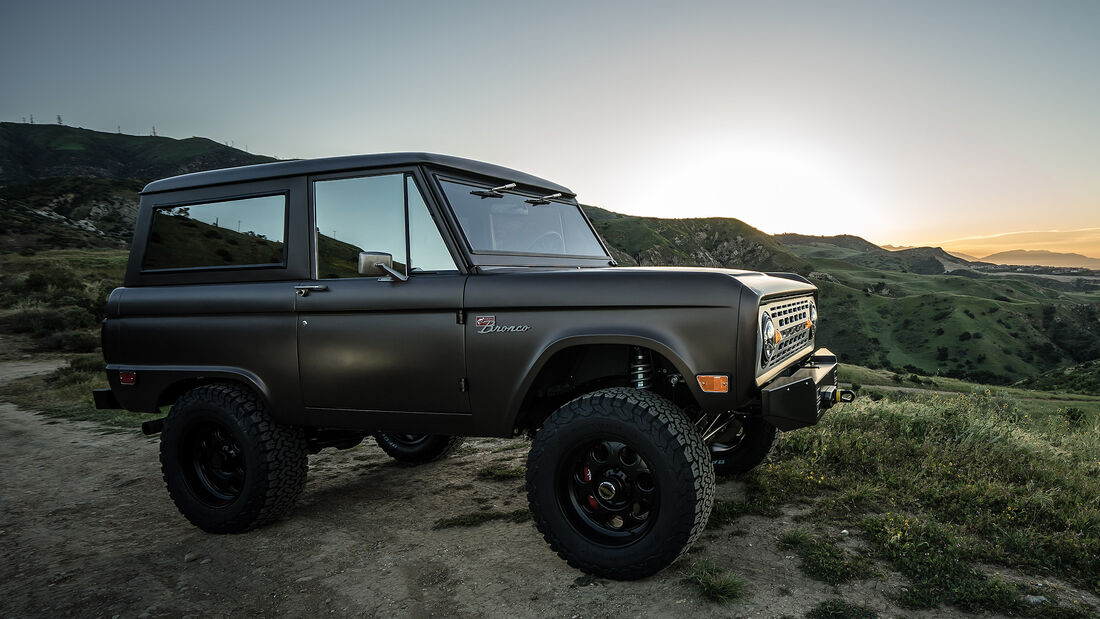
[87, 528]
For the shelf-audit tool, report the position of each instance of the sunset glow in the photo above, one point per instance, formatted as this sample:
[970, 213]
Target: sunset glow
[778, 186]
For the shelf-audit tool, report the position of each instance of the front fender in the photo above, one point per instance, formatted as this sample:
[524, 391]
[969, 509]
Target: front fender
[574, 341]
[503, 366]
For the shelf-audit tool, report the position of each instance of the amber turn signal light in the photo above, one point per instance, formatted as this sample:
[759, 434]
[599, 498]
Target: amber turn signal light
[714, 383]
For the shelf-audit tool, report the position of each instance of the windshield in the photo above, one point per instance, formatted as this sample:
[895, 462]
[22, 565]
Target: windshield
[508, 223]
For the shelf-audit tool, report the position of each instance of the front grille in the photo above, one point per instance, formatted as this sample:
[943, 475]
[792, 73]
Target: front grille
[789, 317]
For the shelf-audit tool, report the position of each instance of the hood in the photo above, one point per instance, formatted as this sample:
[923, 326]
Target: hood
[625, 287]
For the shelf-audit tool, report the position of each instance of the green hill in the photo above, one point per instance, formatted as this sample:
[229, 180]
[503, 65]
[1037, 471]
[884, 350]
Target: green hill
[1081, 378]
[33, 152]
[708, 242]
[853, 249]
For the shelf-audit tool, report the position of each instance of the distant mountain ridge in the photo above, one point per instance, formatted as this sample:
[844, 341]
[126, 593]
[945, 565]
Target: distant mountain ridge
[1043, 258]
[33, 152]
[856, 250]
[967, 257]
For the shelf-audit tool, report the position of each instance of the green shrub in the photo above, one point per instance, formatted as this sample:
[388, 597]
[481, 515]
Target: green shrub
[36, 320]
[1074, 416]
[68, 341]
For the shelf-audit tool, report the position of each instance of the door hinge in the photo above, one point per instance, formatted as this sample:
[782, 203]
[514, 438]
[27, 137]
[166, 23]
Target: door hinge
[461, 317]
[462, 385]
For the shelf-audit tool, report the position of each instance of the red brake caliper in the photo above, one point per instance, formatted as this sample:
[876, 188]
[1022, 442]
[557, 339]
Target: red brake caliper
[586, 475]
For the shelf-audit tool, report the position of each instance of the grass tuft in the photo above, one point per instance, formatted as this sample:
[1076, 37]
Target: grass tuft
[474, 519]
[837, 608]
[502, 473]
[823, 560]
[714, 583]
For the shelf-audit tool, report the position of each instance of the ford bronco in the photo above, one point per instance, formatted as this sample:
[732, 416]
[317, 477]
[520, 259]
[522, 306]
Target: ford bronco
[283, 308]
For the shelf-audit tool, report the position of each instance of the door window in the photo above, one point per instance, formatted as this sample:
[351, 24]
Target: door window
[373, 213]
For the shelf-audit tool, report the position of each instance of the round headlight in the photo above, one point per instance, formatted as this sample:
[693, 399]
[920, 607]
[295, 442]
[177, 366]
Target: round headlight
[813, 313]
[767, 332]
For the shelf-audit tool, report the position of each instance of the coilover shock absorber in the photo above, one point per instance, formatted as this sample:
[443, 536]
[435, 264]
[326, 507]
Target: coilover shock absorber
[641, 369]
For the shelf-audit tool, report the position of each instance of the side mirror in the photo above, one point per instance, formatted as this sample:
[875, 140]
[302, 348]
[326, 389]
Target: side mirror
[371, 262]
[379, 263]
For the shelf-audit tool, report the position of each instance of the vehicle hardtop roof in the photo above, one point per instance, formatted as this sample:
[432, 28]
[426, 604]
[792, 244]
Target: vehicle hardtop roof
[326, 165]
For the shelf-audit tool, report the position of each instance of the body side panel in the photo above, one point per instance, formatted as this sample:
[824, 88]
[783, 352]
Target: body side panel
[234, 330]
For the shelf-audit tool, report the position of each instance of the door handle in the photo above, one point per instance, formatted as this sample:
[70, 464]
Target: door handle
[303, 291]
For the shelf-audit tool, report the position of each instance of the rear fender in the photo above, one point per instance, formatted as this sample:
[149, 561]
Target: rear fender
[160, 385]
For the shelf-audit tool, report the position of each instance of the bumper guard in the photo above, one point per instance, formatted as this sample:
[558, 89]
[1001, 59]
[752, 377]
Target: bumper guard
[799, 398]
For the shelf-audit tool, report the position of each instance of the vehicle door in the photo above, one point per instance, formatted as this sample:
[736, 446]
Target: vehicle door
[378, 344]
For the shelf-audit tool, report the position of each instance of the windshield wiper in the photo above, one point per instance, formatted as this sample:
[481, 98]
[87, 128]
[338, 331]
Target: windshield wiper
[494, 192]
[542, 200]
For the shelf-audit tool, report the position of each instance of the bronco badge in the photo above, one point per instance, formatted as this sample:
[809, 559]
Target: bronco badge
[488, 324]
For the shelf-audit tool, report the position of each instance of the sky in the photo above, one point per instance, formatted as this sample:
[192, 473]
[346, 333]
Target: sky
[962, 124]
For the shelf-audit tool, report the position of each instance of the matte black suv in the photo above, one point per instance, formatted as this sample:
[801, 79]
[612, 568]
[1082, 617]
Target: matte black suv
[287, 307]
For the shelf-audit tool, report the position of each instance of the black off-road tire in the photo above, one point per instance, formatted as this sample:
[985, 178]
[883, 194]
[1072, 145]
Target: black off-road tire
[417, 448]
[680, 482]
[751, 449]
[260, 466]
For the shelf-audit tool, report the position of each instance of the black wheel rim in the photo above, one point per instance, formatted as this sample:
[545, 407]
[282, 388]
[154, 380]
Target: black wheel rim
[213, 463]
[609, 492]
[409, 440]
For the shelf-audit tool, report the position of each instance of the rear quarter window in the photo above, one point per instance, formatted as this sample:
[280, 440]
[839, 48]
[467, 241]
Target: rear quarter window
[245, 232]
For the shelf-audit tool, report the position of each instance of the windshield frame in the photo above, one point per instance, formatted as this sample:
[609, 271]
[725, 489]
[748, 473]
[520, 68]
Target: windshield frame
[513, 258]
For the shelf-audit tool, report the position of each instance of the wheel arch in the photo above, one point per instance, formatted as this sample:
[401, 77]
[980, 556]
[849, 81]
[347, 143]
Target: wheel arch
[524, 417]
[162, 385]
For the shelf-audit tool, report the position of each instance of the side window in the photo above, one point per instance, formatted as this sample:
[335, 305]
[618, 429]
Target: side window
[231, 233]
[369, 213]
[356, 215]
[427, 250]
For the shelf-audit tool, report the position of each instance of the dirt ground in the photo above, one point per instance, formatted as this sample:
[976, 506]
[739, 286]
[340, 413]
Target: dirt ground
[87, 529]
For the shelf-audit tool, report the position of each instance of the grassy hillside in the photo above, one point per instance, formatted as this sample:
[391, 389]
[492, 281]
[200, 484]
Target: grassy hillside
[993, 330]
[857, 251]
[1081, 378]
[33, 152]
[68, 213]
[710, 242]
